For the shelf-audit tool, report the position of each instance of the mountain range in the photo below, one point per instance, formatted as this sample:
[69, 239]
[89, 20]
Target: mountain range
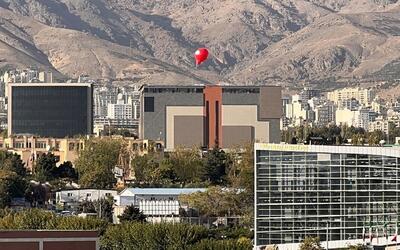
[251, 41]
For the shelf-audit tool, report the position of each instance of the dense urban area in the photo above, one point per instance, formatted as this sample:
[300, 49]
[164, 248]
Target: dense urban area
[133, 174]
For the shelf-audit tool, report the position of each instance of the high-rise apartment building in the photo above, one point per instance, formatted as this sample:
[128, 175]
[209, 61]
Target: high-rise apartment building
[364, 96]
[50, 109]
[339, 191]
[207, 115]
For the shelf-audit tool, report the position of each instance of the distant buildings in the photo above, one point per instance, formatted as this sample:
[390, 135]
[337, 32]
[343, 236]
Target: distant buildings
[364, 96]
[120, 110]
[50, 109]
[325, 114]
[207, 115]
[360, 118]
[313, 191]
[357, 107]
[116, 108]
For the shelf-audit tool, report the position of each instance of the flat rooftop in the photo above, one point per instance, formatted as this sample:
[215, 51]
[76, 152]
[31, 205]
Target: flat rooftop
[391, 151]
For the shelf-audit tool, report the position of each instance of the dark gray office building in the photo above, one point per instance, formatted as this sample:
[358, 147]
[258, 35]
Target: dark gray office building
[50, 110]
[307, 190]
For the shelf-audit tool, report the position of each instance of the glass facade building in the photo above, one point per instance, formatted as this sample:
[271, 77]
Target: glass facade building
[50, 110]
[305, 190]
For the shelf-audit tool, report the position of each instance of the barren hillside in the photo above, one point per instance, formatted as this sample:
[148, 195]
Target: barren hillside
[254, 41]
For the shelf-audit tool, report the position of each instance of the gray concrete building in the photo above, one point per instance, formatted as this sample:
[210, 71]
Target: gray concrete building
[205, 116]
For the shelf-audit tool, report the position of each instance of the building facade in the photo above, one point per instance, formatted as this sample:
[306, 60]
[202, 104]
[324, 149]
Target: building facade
[71, 199]
[208, 115]
[364, 96]
[29, 148]
[325, 114]
[49, 240]
[158, 204]
[50, 109]
[303, 190]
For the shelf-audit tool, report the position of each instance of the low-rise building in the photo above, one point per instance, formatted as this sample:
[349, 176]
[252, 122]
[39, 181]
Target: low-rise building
[67, 149]
[156, 203]
[47, 240]
[31, 147]
[70, 199]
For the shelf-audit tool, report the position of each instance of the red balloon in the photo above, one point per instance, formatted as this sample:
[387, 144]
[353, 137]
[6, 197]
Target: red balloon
[201, 55]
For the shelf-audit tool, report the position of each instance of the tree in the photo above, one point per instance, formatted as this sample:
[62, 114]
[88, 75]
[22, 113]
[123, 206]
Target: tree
[96, 163]
[11, 186]
[103, 208]
[310, 243]
[12, 178]
[133, 235]
[358, 247]
[45, 167]
[207, 244]
[241, 170]
[375, 137]
[12, 162]
[215, 165]
[216, 201]
[147, 169]
[39, 219]
[132, 213]
[187, 165]
[66, 171]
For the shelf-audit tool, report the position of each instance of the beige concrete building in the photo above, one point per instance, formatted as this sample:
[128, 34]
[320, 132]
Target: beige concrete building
[359, 118]
[364, 96]
[30, 148]
[67, 149]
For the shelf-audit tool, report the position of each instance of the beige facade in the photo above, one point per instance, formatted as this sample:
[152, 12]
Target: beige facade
[179, 111]
[30, 148]
[364, 96]
[245, 115]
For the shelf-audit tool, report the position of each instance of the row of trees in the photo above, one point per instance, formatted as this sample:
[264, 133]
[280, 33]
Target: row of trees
[16, 181]
[182, 167]
[128, 235]
[229, 175]
[337, 135]
[167, 236]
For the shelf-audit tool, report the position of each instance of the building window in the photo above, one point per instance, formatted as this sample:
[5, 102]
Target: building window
[88, 195]
[69, 194]
[40, 145]
[18, 145]
[108, 194]
[71, 146]
[149, 104]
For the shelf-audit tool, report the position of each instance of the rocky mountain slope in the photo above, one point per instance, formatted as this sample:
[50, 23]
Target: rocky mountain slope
[251, 41]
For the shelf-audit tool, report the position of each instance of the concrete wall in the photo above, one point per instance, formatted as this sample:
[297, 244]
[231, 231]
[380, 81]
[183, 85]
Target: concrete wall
[188, 111]
[188, 131]
[49, 240]
[153, 124]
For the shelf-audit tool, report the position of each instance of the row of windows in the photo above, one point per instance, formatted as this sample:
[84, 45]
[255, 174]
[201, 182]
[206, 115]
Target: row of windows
[297, 192]
[173, 90]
